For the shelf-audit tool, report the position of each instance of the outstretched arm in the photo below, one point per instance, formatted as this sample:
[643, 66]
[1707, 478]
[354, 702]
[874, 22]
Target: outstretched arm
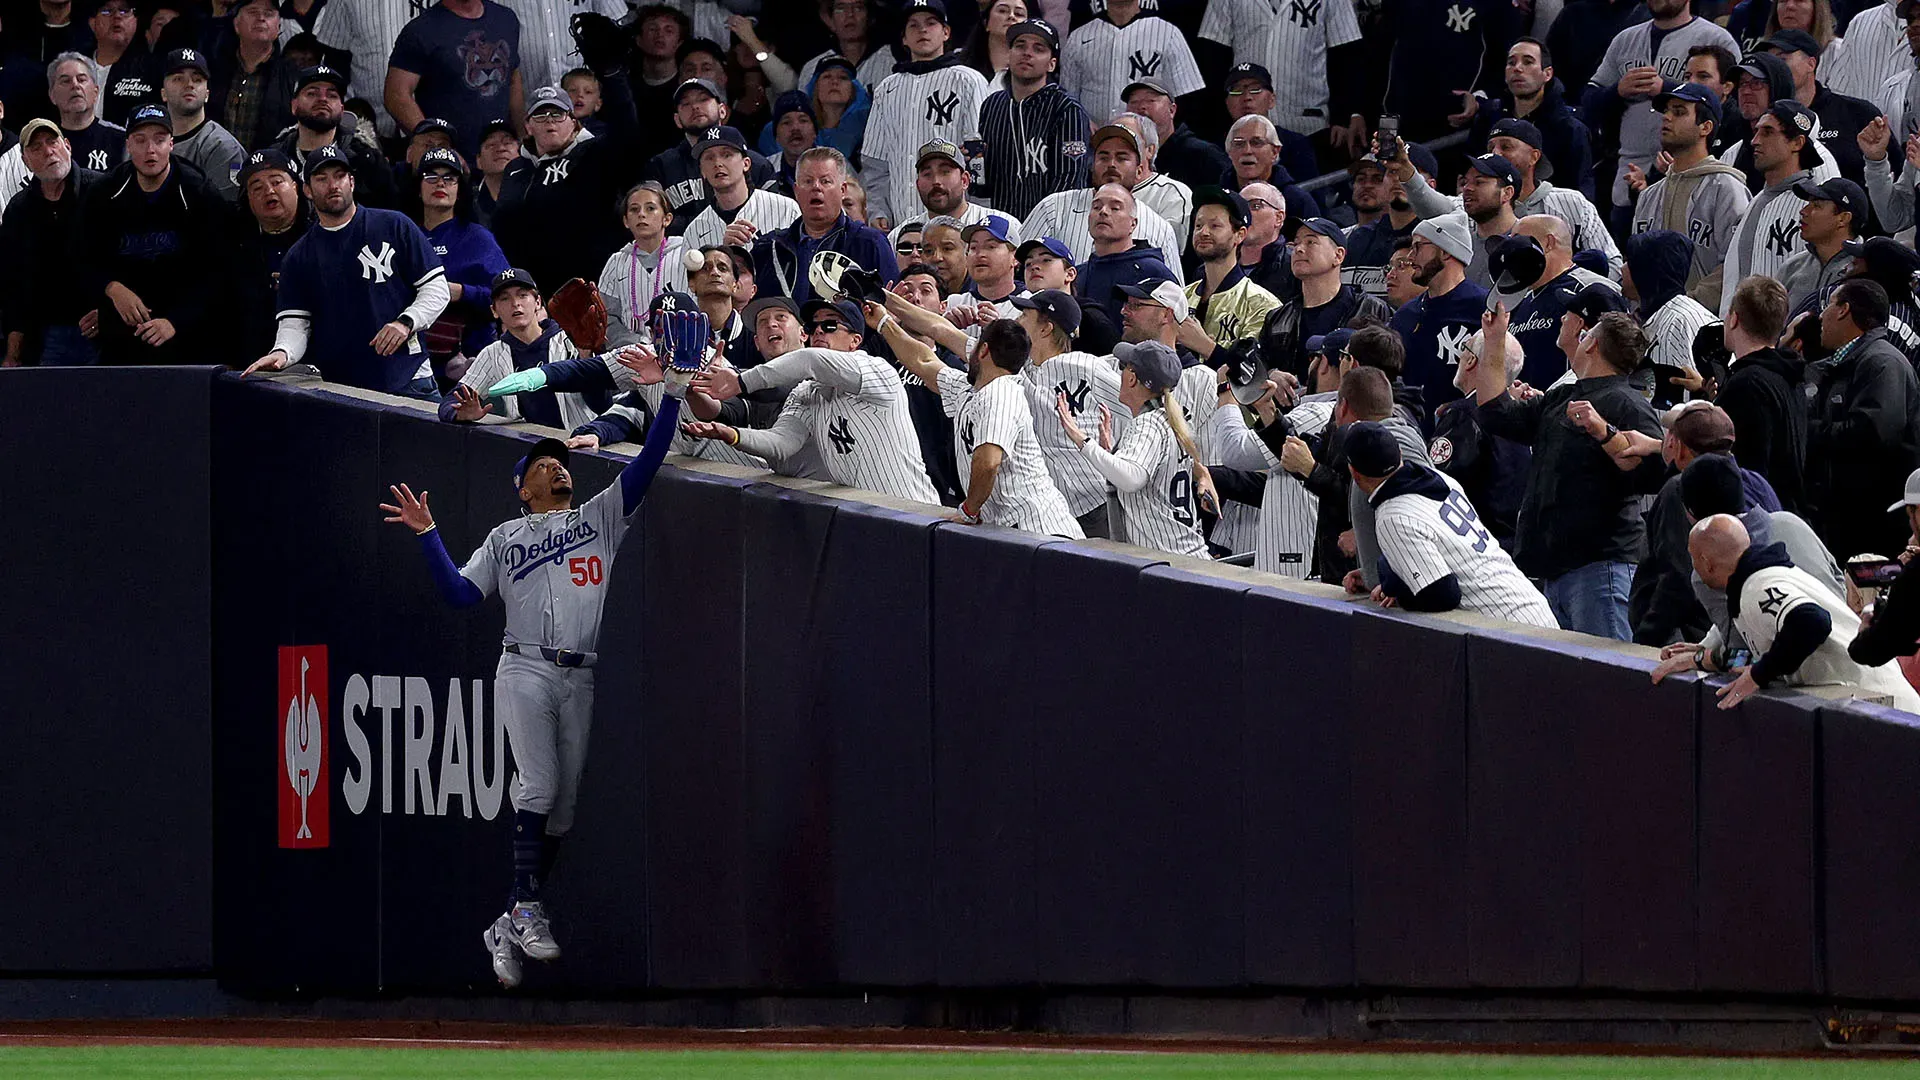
[414, 514]
[637, 477]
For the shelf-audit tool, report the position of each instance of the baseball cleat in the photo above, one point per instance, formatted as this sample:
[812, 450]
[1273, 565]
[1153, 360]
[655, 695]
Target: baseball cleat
[531, 931]
[506, 963]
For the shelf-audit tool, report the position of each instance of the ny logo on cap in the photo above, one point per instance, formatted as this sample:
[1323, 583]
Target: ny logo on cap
[713, 133]
[257, 158]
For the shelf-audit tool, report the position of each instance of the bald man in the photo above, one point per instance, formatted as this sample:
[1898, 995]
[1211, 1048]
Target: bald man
[1539, 259]
[1797, 626]
[1118, 257]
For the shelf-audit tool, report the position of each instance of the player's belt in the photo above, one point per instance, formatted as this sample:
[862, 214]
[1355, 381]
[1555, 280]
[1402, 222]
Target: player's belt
[559, 657]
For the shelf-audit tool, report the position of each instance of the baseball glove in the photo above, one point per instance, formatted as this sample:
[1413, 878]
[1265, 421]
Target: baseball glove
[603, 45]
[580, 311]
[862, 286]
[824, 273]
[684, 353]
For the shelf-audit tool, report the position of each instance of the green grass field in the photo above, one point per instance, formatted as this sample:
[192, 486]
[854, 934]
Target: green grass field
[373, 1063]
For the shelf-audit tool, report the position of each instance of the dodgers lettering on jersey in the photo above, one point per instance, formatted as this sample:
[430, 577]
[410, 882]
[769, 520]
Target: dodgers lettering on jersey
[1023, 495]
[1423, 539]
[552, 571]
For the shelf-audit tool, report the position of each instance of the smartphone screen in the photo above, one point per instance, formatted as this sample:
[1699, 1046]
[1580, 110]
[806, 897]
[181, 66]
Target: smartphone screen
[1873, 574]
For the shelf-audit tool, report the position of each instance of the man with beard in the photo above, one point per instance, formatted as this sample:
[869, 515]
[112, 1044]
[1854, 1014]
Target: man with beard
[1035, 133]
[1538, 259]
[319, 113]
[934, 96]
[1385, 217]
[149, 245]
[1436, 325]
[1635, 69]
[1769, 233]
[942, 185]
[1228, 307]
[1486, 196]
[781, 258]
[698, 107]
[1699, 198]
[1188, 158]
[196, 139]
[250, 80]
[355, 292]
[1068, 215]
[48, 321]
[1765, 79]
[1134, 165]
[1535, 96]
[1841, 117]
[277, 217]
[1118, 259]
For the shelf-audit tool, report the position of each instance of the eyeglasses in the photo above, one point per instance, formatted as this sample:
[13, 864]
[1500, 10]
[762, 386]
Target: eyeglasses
[1256, 143]
[117, 12]
[827, 326]
[1260, 204]
[905, 248]
[441, 179]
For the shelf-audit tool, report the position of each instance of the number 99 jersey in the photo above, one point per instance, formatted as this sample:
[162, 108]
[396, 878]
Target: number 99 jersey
[552, 571]
[1424, 538]
[1162, 513]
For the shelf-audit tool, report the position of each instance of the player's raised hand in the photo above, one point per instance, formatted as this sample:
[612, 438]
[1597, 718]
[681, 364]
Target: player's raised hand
[468, 405]
[390, 338]
[707, 429]
[407, 510]
[1067, 421]
[643, 362]
[1106, 428]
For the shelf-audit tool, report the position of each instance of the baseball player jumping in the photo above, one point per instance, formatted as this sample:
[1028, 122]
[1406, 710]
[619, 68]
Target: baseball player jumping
[552, 567]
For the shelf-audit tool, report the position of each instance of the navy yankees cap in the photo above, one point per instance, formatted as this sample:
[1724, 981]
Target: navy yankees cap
[1156, 365]
[320, 74]
[1326, 227]
[494, 127]
[1791, 41]
[768, 303]
[1498, 168]
[430, 124]
[546, 448]
[1423, 159]
[1594, 301]
[513, 277]
[1250, 71]
[793, 101]
[1515, 263]
[1043, 30]
[1051, 245]
[1693, 92]
[149, 114]
[441, 158]
[1235, 203]
[186, 60]
[1840, 191]
[1515, 128]
[1882, 258]
[729, 137]
[262, 160]
[1059, 307]
[845, 310]
[325, 156]
[549, 97]
[1371, 449]
[833, 61]
[705, 85]
[932, 7]
[1905, 9]
[671, 301]
[1332, 343]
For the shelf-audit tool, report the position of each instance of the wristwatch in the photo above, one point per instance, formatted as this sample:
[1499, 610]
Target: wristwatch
[405, 320]
[1608, 437]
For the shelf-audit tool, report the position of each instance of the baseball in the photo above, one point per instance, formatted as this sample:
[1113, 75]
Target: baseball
[692, 260]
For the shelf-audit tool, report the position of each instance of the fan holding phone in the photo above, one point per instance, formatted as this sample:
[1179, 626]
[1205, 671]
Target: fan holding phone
[1888, 601]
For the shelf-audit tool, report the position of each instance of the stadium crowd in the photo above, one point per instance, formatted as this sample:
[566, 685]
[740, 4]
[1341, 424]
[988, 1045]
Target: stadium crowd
[1595, 314]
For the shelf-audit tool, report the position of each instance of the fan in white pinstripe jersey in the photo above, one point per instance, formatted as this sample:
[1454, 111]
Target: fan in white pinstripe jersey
[368, 30]
[726, 168]
[933, 96]
[1289, 513]
[997, 414]
[848, 404]
[1431, 537]
[547, 49]
[1120, 47]
[1147, 466]
[1874, 51]
[1087, 382]
[1065, 216]
[1289, 38]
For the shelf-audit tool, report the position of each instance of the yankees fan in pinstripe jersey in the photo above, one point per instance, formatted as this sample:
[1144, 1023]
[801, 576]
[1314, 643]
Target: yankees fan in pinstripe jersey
[1874, 52]
[1068, 217]
[1130, 161]
[1148, 466]
[698, 107]
[1290, 38]
[1034, 132]
[942, 189]
[1284, 529]
[739, 212]
[547, 50]
[368, 29]
[932, 96]
[848, 403]
[638, 272]
[999, 456]
[1120, 46]
[1437, 555]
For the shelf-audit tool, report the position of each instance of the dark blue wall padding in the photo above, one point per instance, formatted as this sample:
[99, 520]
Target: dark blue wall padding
[876, 665]
[984, 753]
[105, 686]
[696, 751]
[1409, 800]
[1298, 661]
[1758, 843]
[1191, 815]
[1870, 758]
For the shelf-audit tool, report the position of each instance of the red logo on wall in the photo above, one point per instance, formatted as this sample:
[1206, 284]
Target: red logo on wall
[303, 765]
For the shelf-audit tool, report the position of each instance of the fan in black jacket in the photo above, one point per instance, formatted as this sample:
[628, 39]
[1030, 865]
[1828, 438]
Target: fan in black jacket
[1765, 392]
[39, 298]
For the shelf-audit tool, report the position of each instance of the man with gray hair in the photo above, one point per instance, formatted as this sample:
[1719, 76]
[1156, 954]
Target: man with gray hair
[781, 258]
[75, 93]
[1263, 254]
[1161, 193]
[1068, 215]
[1253, 147]
[1490, 469]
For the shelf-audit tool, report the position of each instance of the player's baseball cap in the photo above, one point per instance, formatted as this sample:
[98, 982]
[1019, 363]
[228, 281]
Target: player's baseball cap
[430, 124]
[1041, 29]
[325, 157]
[728, 137]
[1840, 191]
[940, 148]
[1371, 449]
[147, 115]
[1449, 233]
[1053, 246]
[1791, 41]
[321, 73]
[1160, 88]
[1695, 93]
[546, 448]
[187, 60]
[549, 97]
[1325, 227]
[1243, 72]
[706, 85]
[1117, 131]
[846, 311]
[1156, 365]
[37, 125]
[1235, 204]
[513, 277]
[1594, 301]
[440, 159]
[1060, 308]
[1497, 167]
[994, 225]
[1161, 291]
[262, 161]
[932, 7]
[768, 303]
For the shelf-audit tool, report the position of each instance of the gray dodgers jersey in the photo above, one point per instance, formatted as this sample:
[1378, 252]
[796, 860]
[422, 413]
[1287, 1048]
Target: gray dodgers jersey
[552, 571]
